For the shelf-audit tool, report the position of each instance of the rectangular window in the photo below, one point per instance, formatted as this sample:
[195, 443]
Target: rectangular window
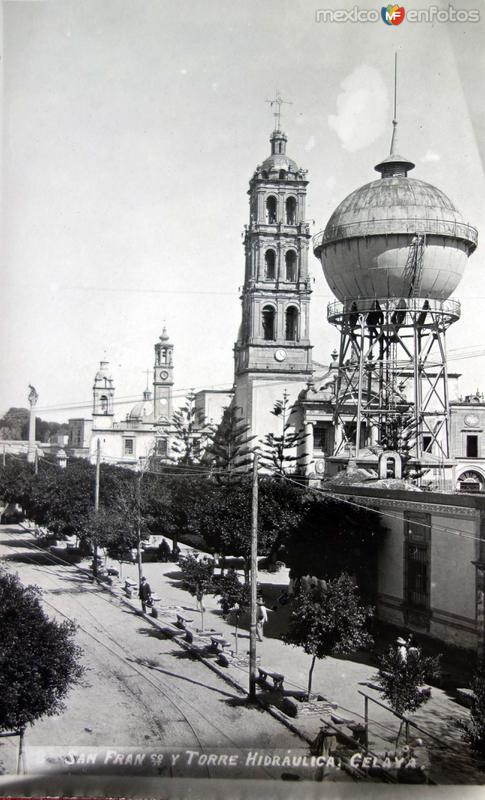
[129, 447]
[162, 447]
[320, 437]
[471, 446]
[417, 567]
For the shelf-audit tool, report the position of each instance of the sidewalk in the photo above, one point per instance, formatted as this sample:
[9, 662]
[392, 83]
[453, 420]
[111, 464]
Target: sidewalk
[337, 681]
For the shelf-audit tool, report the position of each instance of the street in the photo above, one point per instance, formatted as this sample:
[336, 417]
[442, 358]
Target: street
[140, 689]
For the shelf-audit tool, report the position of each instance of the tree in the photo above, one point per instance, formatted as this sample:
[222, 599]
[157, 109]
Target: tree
[279, 451]
[198, 577]
[230, 448]
[403, 671]
[232, 592]
[12, 423]
[235, 597]
[190, 433]
[196, 572]
[328, 619]
[474, 730]
[334, 537]
[39, 659]
[224, 516]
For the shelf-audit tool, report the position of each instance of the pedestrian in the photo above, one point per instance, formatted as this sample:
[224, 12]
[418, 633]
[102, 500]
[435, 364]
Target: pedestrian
[164, 550]
[145, 594]
[261, 618]
[175, 552]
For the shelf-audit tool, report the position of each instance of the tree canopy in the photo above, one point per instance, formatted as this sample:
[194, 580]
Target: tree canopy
[329, 619]
[39, 659]
[335, 537]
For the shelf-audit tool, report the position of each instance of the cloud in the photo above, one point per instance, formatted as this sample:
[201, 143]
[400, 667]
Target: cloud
[362, 109]
[310, 144]
[430, 156]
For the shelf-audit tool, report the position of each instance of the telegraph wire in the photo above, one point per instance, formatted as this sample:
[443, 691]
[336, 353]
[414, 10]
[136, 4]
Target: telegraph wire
[185, 391]
[336, 496]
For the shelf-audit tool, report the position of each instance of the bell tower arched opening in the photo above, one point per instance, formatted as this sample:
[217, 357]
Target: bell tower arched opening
[269, 323]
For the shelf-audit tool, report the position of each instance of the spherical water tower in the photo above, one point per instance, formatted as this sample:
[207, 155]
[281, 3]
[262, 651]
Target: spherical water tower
[393, 252]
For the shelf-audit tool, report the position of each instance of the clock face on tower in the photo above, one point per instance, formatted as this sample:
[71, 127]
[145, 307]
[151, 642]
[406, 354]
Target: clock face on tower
[163, 375]
[280, 354]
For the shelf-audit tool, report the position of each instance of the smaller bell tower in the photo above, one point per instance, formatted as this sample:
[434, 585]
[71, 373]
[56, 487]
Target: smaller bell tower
[163, 378]
[103, 397]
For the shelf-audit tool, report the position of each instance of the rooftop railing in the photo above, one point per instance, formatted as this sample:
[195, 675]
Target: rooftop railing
[389, 225]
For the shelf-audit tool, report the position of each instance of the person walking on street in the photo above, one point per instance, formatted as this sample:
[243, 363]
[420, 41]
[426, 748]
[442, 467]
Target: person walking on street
[261, 618]
[145, 594]
[164, 550]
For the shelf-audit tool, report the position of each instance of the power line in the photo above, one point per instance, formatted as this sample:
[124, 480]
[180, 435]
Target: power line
[453, 355]
[336, 496]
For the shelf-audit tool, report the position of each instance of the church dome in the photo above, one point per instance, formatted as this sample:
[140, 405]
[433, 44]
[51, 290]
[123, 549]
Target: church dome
[139, 411]
[279, 161]
[279, 165]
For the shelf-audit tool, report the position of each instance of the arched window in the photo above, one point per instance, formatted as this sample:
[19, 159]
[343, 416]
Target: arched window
[390, 467]
[103, 402]
[264, 175]
[271, 210]
[291, 324]
[282, 174]
[291, 211]
[269, 323]
[270, 265]
[290, 258]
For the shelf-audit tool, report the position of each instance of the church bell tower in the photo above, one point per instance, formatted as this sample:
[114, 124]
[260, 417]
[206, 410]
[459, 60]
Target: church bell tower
[273, 350]
[163, 378]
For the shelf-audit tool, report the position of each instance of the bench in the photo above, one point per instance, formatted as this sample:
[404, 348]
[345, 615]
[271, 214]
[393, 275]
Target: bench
[182, 622]
[218, 645]
[342, 720]
[465, 696]
[129, 587]
[276, 677]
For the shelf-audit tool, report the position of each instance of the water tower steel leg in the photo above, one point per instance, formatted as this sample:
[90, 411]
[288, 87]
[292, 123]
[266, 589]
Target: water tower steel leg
[360, 392]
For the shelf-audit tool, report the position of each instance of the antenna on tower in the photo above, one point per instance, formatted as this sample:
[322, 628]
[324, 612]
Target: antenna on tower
[394, 120]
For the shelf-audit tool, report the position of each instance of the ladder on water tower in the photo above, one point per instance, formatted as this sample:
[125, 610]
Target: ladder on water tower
[414, 264]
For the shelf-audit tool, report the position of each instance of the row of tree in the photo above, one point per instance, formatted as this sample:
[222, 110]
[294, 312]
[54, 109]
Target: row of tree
[312, 533]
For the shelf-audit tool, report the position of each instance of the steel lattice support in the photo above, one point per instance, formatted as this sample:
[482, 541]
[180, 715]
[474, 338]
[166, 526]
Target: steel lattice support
[392, 376]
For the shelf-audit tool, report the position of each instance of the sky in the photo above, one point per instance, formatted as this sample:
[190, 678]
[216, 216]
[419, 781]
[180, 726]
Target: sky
[130, 131]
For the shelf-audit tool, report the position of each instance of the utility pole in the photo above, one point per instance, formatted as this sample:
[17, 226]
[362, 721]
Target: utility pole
[138, 543]
[254, 580]
[96, 508]
[36, 461]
